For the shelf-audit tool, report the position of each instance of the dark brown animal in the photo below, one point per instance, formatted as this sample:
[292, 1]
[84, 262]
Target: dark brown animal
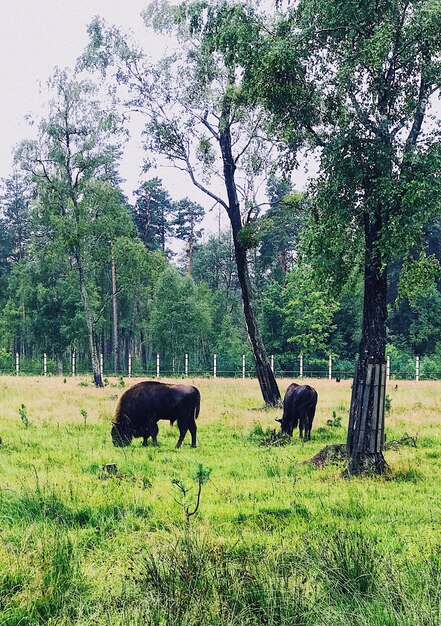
[141, 406]
[299, 406]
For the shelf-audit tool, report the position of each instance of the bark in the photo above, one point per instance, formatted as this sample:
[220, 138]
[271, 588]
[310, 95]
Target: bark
[371, 351]
[142, 338]
[135, 306]
[97, 378]
[115, 317]
[190, 258]
[265, 376]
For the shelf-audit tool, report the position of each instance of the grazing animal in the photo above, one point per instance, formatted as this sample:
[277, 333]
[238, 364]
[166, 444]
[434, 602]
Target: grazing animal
[299, 406]
[141, 406]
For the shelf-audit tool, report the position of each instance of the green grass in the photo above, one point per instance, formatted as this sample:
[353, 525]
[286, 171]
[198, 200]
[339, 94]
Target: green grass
[274, 542]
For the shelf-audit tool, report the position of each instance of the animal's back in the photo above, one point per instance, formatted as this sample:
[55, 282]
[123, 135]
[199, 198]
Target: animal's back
[146, 396]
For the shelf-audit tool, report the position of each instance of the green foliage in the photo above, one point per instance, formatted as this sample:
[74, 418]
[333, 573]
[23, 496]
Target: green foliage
[84, 415]
[181, 314]
[418, 277]
[335, 422]
[23, 413]
[309, 311]
[153, 214]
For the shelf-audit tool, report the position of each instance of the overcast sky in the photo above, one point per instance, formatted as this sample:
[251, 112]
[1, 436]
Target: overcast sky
[36, 36]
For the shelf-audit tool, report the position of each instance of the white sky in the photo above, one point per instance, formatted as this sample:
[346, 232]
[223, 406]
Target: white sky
[36, 36]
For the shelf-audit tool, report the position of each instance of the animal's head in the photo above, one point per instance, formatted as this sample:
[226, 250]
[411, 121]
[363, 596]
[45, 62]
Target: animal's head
[286, 426]
[122, 432]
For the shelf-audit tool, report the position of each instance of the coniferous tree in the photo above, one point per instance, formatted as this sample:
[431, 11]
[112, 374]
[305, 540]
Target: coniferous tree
[188, 215]
[153, 214]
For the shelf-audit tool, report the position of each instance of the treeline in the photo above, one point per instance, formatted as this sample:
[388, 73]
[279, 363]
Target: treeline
[145, 299]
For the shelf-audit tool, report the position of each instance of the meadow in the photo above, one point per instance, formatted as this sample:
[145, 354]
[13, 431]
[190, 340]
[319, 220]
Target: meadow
[275, 540]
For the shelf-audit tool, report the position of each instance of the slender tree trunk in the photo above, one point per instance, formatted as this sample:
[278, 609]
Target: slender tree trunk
[115, 316]
[371, 352]
[142, 338]
[97, 378]
[190, 257]
[132, 320]
[265, 376]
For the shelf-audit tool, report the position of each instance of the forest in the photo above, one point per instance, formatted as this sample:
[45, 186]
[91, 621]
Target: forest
[86, 269]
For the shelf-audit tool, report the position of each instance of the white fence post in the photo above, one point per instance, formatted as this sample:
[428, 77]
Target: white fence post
[186, 364]
[157, 365]
[330, 367]
[173, 365]
[243, 366]
[130, 365]
[272, 363]
[301, 365]
[388, 368]
[101, 364]
[214, 365]
[17, 363]
[417, 369]
[73, 365]
[44, 364]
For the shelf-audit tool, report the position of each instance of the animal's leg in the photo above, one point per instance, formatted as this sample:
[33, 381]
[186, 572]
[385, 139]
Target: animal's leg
[309, 420]
[301, 426]
[145, 439]
[182, 432]
[154, 433]
[193, 429]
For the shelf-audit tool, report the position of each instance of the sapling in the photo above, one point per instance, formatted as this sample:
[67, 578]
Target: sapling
[201, 476]
[22, 411]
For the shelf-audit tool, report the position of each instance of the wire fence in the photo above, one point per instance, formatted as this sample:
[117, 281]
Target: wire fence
[215, 366]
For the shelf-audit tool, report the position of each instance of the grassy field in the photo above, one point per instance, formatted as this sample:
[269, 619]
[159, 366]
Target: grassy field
[276, 541]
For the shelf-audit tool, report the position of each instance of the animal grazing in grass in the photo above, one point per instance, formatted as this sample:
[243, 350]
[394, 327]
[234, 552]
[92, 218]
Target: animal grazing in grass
[141, 406]
[299, 406]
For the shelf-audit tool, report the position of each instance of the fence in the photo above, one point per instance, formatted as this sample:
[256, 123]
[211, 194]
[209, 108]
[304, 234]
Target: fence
[220, 366]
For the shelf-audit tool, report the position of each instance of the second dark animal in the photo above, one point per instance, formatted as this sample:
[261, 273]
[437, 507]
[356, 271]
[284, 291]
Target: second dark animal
[141, 406]
[299, 406]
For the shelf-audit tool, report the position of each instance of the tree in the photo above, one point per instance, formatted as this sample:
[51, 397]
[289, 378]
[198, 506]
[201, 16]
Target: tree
[181, 320]
[15, 233]
[369, 72]
[282, 225]
[308, 312]
[73, 166]
[15, 204]
[200, 120]
[188, 215]
[139, 272]
[153, 214]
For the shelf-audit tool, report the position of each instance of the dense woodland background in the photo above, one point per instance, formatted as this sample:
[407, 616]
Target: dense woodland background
[176, 303]
[83, 268]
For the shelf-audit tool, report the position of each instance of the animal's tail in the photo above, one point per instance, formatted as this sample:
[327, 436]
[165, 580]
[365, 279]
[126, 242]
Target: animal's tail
[197, 405]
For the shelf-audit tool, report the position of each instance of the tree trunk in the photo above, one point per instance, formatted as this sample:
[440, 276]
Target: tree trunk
[265, 376]
[115, 316]
[190, 257]
[371, 352]
[97, 378]
[142, 339]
